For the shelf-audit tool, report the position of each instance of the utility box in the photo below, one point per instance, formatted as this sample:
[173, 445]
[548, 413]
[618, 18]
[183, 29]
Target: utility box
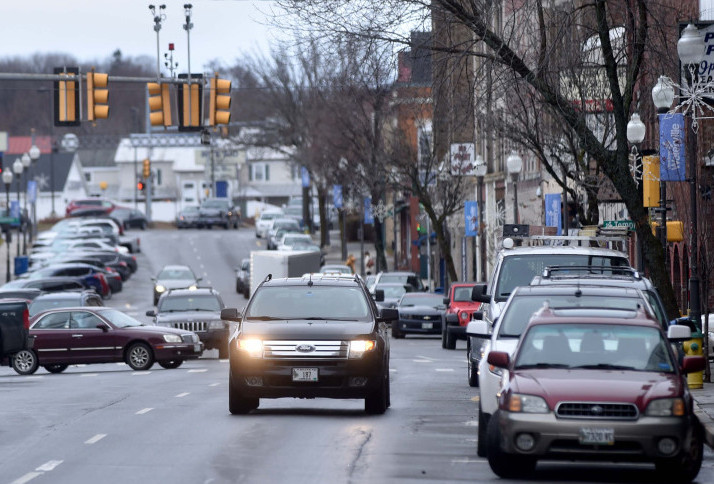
[22, 263]
[281, 264]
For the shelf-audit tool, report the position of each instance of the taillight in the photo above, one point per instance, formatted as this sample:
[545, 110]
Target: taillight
[103, 282]
[26, 318]
[123, 264]
[133, 257]
[109, 269]
[138, 241]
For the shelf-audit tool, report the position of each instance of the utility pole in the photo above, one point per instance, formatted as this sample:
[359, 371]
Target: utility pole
[187, 27]
[157, 27]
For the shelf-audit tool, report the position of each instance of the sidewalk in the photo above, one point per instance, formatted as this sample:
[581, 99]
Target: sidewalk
[333, 252]
[704, 409]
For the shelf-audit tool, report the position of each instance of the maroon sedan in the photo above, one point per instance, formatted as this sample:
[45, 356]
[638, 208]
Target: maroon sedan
[82, 335]
[583, 385]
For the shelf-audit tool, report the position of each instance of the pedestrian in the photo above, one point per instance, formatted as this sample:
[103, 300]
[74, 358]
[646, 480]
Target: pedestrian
[368, 262]
[350, 262]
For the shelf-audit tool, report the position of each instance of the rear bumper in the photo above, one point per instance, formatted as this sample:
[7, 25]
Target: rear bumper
[419, 326]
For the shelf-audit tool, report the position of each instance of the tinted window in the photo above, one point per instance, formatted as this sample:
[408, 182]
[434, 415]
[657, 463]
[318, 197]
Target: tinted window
[43, 304]
[82, 320]
[176, 274]
[300, 302]
[462, 294]
[416, 299]
[224, 204]
[53, 321]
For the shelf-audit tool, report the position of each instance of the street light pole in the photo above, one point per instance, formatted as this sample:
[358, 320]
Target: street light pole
[7, 180]
[663, 96]
[17, 168]
[514, 164]
[26, 162]
[480, 169]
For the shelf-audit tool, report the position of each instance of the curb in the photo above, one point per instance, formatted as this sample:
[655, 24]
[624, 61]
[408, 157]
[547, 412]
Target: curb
[707, 424]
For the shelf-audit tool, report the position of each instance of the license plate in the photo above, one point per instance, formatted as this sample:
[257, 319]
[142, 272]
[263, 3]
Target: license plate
[427, 325]
[597, 436]
[304, 374]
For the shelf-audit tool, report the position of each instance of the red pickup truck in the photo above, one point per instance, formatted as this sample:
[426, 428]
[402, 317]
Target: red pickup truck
[459, 311]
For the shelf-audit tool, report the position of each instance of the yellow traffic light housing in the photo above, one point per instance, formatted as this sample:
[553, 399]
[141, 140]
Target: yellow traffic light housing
[190, 102]
[159, 104]
[220, 101]
[650, 181]
[97, 96]
[66, 97]
[675, 230]
[147, 169]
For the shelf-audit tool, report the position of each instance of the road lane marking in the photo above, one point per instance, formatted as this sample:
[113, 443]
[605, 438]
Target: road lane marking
[27, 477]
[49, 465]
[426, 358]
[444, 369]
[214, 384]
[95, 439]
[89, 374]
[198, 257]
[422, 361]
[195, 249]
[144, 410]
[139, 373]
[204, 370]
[392, 370]
[203, 266]
[467, 460]
[127, 305]
[471, 423]
[475, 399]
[181, 395]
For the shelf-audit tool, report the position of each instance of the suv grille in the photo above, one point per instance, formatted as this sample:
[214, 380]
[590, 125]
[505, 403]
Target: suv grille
[305, 349]
[597, 410]
[196, 326]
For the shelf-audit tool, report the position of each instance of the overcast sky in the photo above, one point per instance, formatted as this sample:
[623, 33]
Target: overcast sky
[92, 29]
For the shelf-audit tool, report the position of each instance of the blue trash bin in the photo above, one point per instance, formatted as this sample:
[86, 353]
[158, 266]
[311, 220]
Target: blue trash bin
[22, 263]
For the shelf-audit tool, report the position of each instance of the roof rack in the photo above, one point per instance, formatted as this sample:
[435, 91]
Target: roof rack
[585, 270]
[610, 238]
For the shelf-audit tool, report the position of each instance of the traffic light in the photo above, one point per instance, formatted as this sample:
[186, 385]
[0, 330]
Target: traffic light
[190, 101]
[220, 101]
[159, 104]
[66, 97]
[97, 96]
[146, 169]
[140, 186]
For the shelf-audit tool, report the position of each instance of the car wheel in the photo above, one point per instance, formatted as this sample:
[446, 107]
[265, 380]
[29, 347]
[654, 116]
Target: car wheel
[443, 336]
[171, 364]
[139, 357]
[483, 419]
[376, 402]
[395, 331]
[472, 372]
[223, 350]
[450, 340]
[25, 362]
[237, 404]
[504, 465]
[57, 368]
[684, 467]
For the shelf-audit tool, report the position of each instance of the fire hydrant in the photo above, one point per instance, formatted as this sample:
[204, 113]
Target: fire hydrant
[693, 347]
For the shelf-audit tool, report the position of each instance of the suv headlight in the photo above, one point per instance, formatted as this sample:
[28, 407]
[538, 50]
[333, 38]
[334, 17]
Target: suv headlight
[666, 407]
[172, 338]
[360, 346]
[160, 288]
[216, 325]
[518, 402]
[252, 346]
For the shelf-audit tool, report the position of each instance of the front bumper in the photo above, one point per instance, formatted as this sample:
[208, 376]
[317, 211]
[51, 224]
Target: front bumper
[184, 351]
[558, 438]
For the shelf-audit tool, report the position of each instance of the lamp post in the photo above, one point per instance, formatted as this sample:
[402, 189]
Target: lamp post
[662, 97]
[17, 169]
[635, 136]
[514, 165]
[26, 162]
[34, 156]
[480, 169]
[7, 180]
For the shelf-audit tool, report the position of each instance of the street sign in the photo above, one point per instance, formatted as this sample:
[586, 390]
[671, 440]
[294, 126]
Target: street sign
[629, 224]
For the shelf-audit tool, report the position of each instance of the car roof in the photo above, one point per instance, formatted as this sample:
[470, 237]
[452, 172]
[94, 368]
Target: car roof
[549, 316]
[584, 288]
[317, 279]
[174, 267]
[560, 249]
[63, 295]
[199, 291]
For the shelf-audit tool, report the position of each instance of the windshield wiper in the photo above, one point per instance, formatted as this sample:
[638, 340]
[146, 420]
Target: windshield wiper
[542, 365]
[264, 318]
[605, 366]
[313, 318]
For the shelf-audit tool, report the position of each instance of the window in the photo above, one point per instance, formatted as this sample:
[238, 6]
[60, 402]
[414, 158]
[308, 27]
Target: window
[53, 321]
[158, 176]
[88, 177]
[82, 320]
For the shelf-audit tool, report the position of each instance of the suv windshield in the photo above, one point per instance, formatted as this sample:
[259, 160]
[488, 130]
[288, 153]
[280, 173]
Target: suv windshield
[182, 303]
[413, 281]
[176, 274]
[309, 302]
[596, 347]
[215, 204]
[519, 270]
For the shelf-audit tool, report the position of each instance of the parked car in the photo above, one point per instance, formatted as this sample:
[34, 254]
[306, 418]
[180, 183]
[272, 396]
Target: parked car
[286, 224]
[520, 306]
[401, 277]
[174, 277]
[218, 211]
[28, 294]
[48, 284]
[107, 336]
[65, 300]
[114, 277]
[243, 278]
[419, 313]
[311, 247]
[187, 217]
[290, 239]
[393, 292]
[460, 310]
[263, 222]
[89, 275]
[105, 206]
[197, 310]
[346, 355]
[583, 386]
[130, 218]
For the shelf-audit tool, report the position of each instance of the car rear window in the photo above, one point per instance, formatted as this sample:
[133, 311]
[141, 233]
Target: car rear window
[40, 305]
[194, 303]
[309, 302]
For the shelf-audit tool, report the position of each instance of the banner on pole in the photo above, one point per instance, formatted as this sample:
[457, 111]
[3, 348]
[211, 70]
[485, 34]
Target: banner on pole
[368, 217]
[553, 211]
[471, 218]
[671, 147]
[337, 196]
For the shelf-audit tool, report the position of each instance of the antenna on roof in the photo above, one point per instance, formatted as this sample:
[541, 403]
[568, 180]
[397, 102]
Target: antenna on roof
[309, 282]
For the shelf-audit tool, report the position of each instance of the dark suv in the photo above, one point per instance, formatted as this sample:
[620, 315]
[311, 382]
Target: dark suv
[320, 335]
[218, 211]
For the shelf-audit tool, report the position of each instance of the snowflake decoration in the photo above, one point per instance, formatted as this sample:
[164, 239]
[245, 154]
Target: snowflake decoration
[635, 166]
[696, 97]
[500, 213]
[350, 206]
[42, 181]
[381, 211]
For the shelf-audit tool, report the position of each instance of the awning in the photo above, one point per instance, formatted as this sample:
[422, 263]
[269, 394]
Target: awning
[422, 239]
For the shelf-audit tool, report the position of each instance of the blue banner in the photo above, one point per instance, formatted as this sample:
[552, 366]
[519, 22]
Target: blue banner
[471, 218]
[553, 211]
[337, 196]
[368, 217]
[31, 191]
[305, 177]
[15, 212]
[672, 159]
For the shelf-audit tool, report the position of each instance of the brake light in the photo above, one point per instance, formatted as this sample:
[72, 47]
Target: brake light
[26, 318]
[109, 269]
[133, 258]
[103, 282]
[123, 264]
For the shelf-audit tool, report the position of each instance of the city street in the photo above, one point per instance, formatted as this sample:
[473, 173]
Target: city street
[109, 424]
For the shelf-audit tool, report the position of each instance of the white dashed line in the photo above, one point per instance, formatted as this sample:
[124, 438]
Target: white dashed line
[203, 266]
[139, 373]
[471, 423]
[426, 358]
[195, 249]
[422, 361]
[95, 439]
[34, 377]
[89, 374]
[444, 369]
[27, 477]
[198, 257]
[144, 410]
[198, 371]
[181, 395]
[214, 384]
[392, 370]
[49, 465]
[467, 460]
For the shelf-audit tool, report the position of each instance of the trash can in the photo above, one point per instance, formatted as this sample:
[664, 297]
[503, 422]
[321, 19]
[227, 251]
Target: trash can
[22, 263]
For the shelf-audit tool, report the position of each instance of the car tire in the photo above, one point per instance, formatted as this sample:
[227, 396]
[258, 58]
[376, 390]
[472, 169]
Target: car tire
[684, 467]
[170, 364]
[139, 357]
[226, 225]
[450, 340]
[376, 402]
[56, 368]
[223, 350]
[25, 362]
[443, 336]
[395, 332]
[238, 404]
[481, 445]
[472, 372]
[505, 465]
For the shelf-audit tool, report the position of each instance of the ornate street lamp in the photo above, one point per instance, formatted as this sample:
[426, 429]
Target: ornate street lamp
[480, 169]
[663, 97]
[514, 165]
[18, 168]
[7, 180]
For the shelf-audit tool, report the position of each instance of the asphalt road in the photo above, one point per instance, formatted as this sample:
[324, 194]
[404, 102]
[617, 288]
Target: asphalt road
[109, 424]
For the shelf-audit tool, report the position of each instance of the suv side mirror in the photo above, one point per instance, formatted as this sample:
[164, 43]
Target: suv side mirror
[478, 293]
[446, 301]
[230, 314]
[379, 295]
[103, 326]
[388, 315]
[151, 313]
